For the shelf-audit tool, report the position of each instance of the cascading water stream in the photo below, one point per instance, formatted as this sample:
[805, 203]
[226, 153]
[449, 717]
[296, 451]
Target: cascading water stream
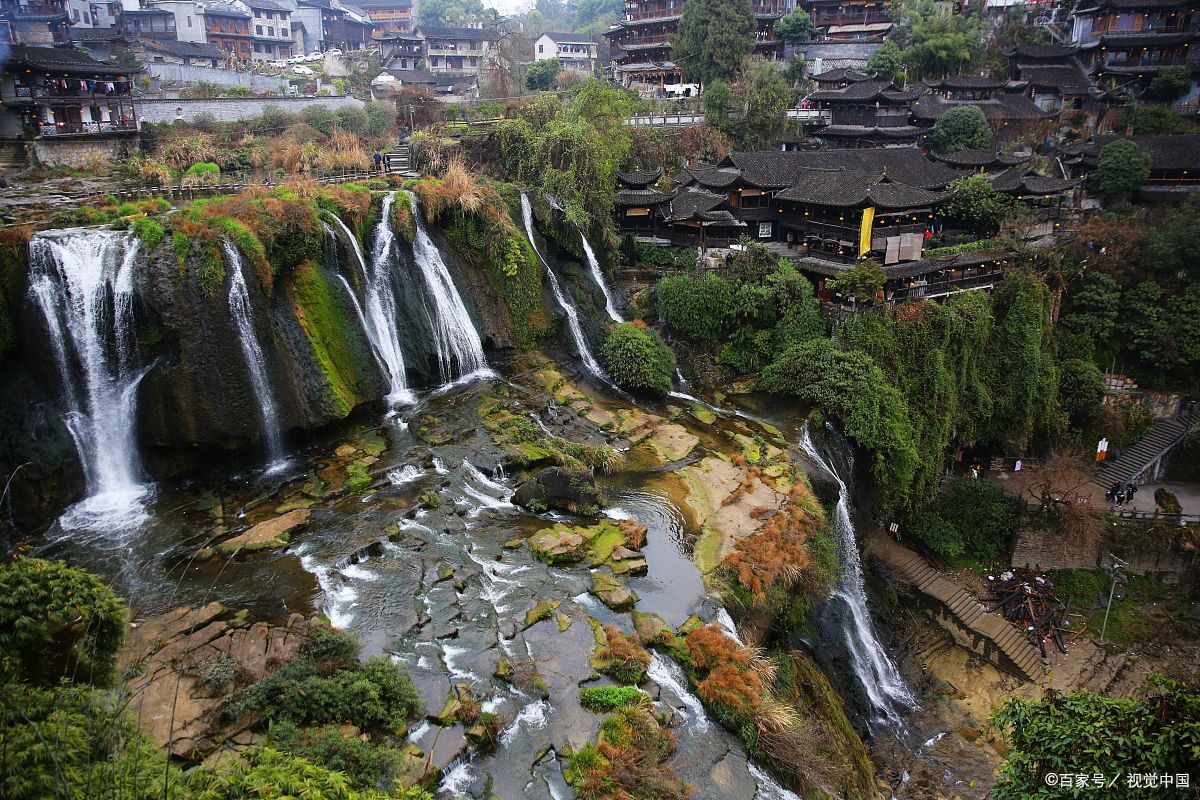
[874, 671]
[380, 297]
[585, 352]
[256, 363]
[459, 349]
[82, 280]
[594, 266]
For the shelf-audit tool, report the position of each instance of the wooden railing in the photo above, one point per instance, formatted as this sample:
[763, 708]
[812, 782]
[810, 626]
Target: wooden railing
[88, 128]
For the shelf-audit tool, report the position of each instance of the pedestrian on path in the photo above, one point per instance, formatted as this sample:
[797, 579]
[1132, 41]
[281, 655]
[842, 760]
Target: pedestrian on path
[378, 161]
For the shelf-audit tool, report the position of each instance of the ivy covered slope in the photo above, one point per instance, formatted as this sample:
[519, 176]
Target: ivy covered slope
[318, 358]
[70, 728]
[495, 260]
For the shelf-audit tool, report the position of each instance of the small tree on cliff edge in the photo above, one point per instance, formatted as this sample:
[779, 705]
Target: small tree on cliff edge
[1120, 170]
[714, 36]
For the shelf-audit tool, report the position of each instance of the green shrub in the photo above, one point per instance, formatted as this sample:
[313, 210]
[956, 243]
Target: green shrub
[204, 173]
[610, 698]
[638, 359]
[367, 764]
[57, 622]
[149, 231]
[376, 695]
[971, 518]
[181, 245]
[698, 306]
[1085, 587]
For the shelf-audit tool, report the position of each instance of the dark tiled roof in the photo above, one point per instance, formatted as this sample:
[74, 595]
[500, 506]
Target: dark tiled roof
[776, 168]
[638, 180]
[569, 37]
[839, 75]
[852, 188]
[148, 12]
[413, 76]
[1021, 182]
[457, 33]
[690, 201]
[1069, 77]
[182, 49]
[870, 131]
[967, 82]
[1128, 5]
[1127, 40]
[641, 197]
[58, 60]
[267, 5]
[714, 177]
[1166, 152]
[95, 34]
[981, 158]
[1001, 107]
[862, 90]
[719, 217]
[1041, 52]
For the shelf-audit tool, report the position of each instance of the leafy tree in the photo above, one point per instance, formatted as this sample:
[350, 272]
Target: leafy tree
[638, 359]
[541, 74]
[887, 62]
[57, 622]
[1151, 120]
[1080, 390]
[714, 36]
[1169, 84]
[864, 281]
[765, 97]
[698, 306]
[797, 68]
[960, 128]
[570, 150]
[1144, 323]
[1183, 310]
[972, 518]
[977, 203]
[1121, 169]
[849, 385]
[381, 118]
[353, 119]
[452, 13]
[795, 27]
[718, 101]
[935, 40]
[1093, 309]
[1087, 733]
[588, 11]
[268, 773]
[1169, 249]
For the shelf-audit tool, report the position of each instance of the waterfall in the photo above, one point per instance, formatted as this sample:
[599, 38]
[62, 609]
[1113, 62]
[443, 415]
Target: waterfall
[874, 671]
[381, 307]
[256, 363]
[594, 266]
[457, 341]
[585, 353]
[82, 280]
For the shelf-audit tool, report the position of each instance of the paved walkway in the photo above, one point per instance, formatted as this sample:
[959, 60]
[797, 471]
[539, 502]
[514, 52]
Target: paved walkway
[989, 635]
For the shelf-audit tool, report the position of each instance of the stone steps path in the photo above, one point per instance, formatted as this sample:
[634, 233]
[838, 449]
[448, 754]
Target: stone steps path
[1136, 459]
[1019, 656]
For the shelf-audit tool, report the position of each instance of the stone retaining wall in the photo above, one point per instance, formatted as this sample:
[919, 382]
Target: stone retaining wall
[234, 108]
[1167, 552]
[84, 151]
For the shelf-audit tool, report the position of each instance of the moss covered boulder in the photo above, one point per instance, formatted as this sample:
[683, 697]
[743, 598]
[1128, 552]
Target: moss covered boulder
[612, 592]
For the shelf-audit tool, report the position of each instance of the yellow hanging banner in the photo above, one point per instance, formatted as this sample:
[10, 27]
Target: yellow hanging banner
[864, 234]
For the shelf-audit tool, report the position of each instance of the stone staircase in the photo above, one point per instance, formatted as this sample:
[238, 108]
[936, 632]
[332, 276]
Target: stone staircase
[1135, 461]
[987, 634]
[399, 161]
[12, 154]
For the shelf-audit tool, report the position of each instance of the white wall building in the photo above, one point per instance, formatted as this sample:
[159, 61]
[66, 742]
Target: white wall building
[574, 51]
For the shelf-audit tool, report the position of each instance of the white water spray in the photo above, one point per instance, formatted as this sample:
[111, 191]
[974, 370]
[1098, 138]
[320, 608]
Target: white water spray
[585, 353]
[459, 349]
[594, 266]
[874, 671]
[82, 280]
[380, 296]
[256, 363]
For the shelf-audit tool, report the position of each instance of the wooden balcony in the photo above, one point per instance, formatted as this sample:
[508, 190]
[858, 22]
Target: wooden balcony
[123, 92]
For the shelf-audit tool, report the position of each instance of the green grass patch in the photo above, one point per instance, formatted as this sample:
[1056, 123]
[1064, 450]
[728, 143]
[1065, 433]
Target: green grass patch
[611, 698]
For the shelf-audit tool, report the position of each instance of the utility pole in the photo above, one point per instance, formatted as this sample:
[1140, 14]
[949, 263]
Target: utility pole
[412, 126]
[1115, 566]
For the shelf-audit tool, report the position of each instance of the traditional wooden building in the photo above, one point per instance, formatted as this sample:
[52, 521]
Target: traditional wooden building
[1130, 41]
[229, 28]
[641, 42]
[1010, 112]
[1174, 163]
[36, 22]
[866, 113]
[63, 92]
[389, 17]
[849, 20]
